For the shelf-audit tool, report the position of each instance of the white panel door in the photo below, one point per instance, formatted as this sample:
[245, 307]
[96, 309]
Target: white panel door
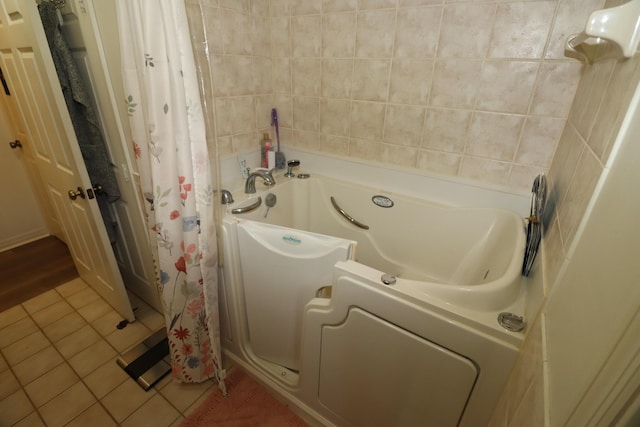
[81, 31]
[31, 76]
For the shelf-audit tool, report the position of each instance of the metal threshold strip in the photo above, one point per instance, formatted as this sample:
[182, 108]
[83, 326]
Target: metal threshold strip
[145, 362]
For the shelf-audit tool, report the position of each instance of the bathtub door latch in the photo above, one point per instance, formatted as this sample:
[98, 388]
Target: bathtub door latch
[511, 322]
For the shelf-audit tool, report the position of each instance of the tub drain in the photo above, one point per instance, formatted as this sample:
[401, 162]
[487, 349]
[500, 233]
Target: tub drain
[511, 322]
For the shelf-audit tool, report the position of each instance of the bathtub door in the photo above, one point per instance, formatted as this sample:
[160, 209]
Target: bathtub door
[282, 269]
[375, 374]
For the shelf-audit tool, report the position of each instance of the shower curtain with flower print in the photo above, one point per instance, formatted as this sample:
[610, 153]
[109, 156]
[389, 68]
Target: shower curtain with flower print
[169, 143]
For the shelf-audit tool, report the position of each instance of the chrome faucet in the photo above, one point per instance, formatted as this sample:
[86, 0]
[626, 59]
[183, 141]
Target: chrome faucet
[250, 184]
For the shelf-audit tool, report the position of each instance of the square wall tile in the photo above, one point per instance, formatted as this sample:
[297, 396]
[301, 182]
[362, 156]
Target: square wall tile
[417, 32]
[335, 116]
[337, 78]
[280, 36]
[446, 130]
[539, 140]
[367, 120]
[331, 6]
[461, 36]
[306, 113]
[410, 81]
[365, 149]
[334, 144]
[306, 76]
[455, 83]
[507, 86]
[374, 37]
[236, 39]
[306, 7]
[485, 170]
[438, 162]
[306, 36]
[399, 155]
[339, 35]
[403, 124]
[376, 4]
[494, 136]
[371, 79]
[521, 29]
[556, 87]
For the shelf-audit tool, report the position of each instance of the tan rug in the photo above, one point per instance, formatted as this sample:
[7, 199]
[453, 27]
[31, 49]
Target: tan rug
[247, 404]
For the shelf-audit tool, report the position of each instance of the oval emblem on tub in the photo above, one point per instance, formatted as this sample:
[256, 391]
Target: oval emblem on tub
[382, 201]
[291, 240]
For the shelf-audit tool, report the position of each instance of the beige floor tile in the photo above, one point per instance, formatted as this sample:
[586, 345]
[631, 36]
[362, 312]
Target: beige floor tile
[38, 364]
[77, 341]
[51, 384]
[108, 323]
[150, 317]
[63, 327]
[196, 404]
[105, 378]
[17, 331]
[15, 407]
[8, 384]
[125, 399]
[177, 422]
[182, 395]
[27, 346]
[94, 310]
[82, 298]
[95, 416]
[133, 333]
[41, 301]
[67, 405]
[155, 412]
[52, 313]
[11, 315]
[92, 357]
[31, 420]
[74, 286]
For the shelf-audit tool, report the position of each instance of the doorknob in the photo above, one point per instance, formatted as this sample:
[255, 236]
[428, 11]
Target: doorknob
[15, 144]
[75, 194]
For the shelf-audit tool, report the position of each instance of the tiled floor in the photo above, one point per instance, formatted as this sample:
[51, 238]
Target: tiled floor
[58, 365]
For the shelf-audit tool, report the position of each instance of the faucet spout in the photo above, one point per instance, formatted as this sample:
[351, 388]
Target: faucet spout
[250, 184]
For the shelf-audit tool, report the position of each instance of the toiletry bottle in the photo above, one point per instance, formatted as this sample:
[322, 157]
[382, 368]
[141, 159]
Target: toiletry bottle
[271, 158]
[265, 146]
[268, 144]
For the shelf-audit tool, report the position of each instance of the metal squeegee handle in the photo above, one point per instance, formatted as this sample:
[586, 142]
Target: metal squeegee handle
[348, 217]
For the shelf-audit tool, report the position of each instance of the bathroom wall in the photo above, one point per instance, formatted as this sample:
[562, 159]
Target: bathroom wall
[601, 102]
[473, 89]
[462, 88]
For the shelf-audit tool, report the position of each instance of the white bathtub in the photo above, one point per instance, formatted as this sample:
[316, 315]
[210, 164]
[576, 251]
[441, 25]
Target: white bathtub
[453, 270]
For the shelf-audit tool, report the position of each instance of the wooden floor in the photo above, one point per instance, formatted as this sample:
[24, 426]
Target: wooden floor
[34, 268]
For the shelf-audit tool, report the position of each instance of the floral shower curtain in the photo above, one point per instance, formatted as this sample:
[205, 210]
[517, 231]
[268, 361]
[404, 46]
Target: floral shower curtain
[169, 142]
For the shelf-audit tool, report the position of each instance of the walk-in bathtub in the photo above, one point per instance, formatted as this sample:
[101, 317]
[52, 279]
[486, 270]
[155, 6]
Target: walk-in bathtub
[368, 308]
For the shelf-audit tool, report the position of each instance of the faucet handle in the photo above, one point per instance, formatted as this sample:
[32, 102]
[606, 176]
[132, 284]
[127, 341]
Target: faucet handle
[290, 165]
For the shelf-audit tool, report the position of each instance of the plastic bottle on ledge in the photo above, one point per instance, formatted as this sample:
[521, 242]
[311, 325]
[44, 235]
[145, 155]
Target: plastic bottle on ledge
[265, 147]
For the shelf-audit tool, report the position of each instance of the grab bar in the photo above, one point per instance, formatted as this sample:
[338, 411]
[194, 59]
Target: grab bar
[348, 217]
[249, 208]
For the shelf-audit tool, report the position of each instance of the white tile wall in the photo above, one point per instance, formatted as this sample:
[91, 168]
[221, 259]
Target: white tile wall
[437, 70]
